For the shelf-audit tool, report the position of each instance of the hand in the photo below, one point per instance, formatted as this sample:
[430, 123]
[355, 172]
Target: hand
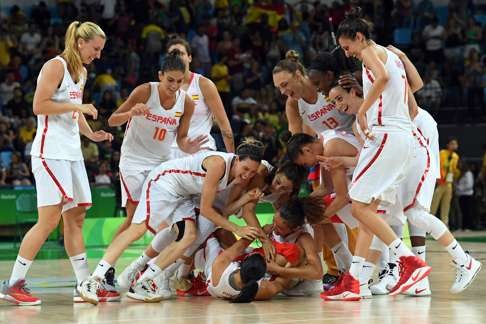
[253, 195]
[196, 144]
[269, 250]
[395, 50]
[139, 109]
[273, 268]
[348, 81]
[100, 136]
[88, 109]
[363, 124]
[247, 232]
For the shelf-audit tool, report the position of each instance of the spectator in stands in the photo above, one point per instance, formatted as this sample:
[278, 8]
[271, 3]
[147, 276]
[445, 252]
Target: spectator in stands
[200, 49]
[434, 35]
[221, 78]
[465, 192]
[473, 36]
[431, 94]
[104, 176]
[30, 40]
[472, 81]
[91, 154]
[244, 105]
[18, 173]
[423, 13]
[17, 106]
[448, 171]
[7, 87]
[27, 132]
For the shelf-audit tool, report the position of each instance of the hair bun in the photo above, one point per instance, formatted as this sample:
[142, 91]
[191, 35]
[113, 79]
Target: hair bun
[292, 55]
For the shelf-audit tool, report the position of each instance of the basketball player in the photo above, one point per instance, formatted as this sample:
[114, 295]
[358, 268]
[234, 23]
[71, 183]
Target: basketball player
[157, 115]
[57, 161]
[308, 110]
[422, 186]
[167, 197]
[385, 121]
[208, 104]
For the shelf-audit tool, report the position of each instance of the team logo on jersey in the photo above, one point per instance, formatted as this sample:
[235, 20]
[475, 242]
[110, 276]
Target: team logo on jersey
[195, 97]
[178, 114]
[75, 95]
[321, 112]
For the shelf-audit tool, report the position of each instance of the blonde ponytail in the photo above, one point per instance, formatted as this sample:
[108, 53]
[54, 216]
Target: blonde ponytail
[75, 31]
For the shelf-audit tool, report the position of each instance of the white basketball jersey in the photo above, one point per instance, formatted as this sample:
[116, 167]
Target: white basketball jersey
[148, 138]
[391, 108]
[202, 118]
[224, 289]
[57, 136]
[427, 126]
[323, 115]
[185, 177]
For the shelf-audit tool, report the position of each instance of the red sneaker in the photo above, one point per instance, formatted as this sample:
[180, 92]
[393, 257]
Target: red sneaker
[198, 288]
[412, 270]
[107, 295]
[333, 288]
[346, 290]
[18, 294]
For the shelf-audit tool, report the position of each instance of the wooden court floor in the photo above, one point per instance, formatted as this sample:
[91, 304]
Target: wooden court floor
[50, 279]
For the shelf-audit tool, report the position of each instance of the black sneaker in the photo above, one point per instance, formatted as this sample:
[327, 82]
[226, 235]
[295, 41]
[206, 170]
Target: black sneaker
[110, 277]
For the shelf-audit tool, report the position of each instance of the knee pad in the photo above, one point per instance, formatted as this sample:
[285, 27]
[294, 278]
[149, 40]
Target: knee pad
[426, 222]
[416, 231]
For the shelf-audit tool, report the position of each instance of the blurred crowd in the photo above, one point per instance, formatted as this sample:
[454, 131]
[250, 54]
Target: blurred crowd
[236, 43]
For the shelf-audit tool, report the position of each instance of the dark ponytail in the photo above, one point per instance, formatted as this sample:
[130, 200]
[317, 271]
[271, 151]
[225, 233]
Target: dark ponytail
[353, 24]
[251, 149]
[173, 62]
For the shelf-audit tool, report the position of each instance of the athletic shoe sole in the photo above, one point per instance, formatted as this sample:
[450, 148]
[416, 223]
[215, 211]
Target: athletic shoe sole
[417, 276]
[144, 299]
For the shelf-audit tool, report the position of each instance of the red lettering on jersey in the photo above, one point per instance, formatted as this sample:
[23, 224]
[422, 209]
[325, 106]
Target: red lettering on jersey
[161, 119]
[75, 95]
[321, 112]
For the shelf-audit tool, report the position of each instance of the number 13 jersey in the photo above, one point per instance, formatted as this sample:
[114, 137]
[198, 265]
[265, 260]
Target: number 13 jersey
[323, 116]
[148, 137]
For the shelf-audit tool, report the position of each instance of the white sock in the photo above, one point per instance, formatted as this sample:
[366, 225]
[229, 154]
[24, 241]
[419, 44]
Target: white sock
[80, 266]
[152, 271]
[342, 256]
[101, 269]
[399, 249]
[142, 260]
[356, 266]
[163, 239]
[419, 251]
[366, 272]
[184, 270]
[457, 253]
[20, 268]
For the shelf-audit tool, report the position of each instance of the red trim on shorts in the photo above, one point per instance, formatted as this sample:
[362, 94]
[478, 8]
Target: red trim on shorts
[129, 197]
[424, 174]
[44, 134]
[382, 145]
[189, 219]
[58, 184]
[381, 211]
[84, 204]
[163, 173]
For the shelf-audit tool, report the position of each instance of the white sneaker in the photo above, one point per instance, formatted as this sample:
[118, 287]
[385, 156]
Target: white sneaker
[76, 297]
[303, 288]
[127, 277]
[88, 290]
[465, 274]
[145, 290]
[364, 291]
[163, 284]
[385, 280]
[421, 289]
[393, 276]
